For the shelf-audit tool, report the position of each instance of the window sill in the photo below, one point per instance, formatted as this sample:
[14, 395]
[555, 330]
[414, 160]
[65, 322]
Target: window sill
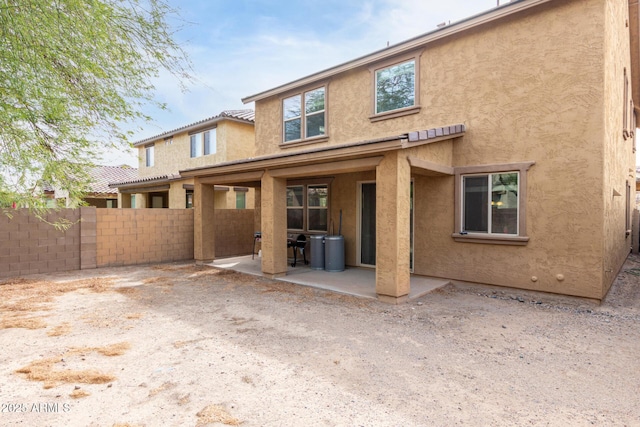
[395, 113]
[306, 141]
[491, 239]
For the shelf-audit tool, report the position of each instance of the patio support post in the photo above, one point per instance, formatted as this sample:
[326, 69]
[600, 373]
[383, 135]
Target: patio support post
[257, 210]
[393, 180]
[273, 225]
[124, 200]
[203, 222]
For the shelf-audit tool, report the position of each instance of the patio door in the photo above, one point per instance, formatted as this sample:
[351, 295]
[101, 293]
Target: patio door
[366, 251]
[367, 222]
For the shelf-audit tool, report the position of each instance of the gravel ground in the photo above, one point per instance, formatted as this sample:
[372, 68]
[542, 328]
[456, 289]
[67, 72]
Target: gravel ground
[179, 345]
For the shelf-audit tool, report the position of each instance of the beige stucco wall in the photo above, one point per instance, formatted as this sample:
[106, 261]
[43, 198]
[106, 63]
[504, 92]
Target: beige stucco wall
[536, 86]
[616, 174]
[528, 88]
[178, 194]
[234, 141]
[240, 140]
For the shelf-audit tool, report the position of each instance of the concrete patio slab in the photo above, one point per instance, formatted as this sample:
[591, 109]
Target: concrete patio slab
[360, 282]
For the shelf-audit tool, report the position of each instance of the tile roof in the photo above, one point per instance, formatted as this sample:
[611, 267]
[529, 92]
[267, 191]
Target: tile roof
[243, 115]
[103, 175]
[145, 180]
[424, 135]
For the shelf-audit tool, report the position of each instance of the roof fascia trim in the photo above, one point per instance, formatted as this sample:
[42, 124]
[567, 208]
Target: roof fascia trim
[403, 47]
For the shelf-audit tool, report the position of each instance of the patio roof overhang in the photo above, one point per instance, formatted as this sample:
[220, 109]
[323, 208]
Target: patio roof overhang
[149, 189]
[323, 161]
[146, 185]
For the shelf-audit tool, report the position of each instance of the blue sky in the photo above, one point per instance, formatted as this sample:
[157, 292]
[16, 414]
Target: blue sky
[240, 48]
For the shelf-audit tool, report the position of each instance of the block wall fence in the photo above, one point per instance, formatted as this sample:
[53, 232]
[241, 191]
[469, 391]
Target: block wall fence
[112, 237]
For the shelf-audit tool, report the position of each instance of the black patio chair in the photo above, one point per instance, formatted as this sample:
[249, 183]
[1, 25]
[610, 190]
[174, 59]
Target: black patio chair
[299, 243]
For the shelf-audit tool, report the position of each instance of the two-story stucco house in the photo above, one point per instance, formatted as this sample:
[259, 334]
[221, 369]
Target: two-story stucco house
[496, 150]
[225, 137]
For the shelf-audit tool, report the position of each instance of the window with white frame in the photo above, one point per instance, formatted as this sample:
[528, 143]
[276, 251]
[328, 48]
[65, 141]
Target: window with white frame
[195, 144]
[209, 142]
[395, 87]
[308, 207]
[304, 115]
[490, 203]
[203, 143]
[148, 154]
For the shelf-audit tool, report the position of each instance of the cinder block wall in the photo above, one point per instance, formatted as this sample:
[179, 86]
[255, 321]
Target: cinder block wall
[142, 236]
[29, 245]
[234, 232]
[112, 237]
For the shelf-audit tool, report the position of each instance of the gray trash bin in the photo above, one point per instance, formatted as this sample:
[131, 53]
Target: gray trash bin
[334, 253]
[317, 252]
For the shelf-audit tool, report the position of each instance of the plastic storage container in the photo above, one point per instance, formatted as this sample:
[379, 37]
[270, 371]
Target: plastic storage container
[334, 253]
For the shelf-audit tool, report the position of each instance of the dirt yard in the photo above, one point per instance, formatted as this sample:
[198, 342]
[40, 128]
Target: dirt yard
[177, 345]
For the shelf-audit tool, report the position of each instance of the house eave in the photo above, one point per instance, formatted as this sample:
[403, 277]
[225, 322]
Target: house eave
[354, 150]
[145, 182]
[404, 47]
[344, 151]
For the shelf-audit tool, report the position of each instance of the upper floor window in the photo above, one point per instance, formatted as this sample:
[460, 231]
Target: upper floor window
[194, 144]
[203, 143]
[395, 87]
[304, 115]
[148, 154]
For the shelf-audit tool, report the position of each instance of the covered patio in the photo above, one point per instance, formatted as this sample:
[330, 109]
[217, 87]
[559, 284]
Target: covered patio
[378, 229]
[354, 281]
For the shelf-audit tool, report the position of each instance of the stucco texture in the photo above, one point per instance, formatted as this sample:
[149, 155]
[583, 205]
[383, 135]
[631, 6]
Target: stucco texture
[543, 86]
[234, 141]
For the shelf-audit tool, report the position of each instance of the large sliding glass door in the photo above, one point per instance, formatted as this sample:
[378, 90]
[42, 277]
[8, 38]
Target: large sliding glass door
[367, 223]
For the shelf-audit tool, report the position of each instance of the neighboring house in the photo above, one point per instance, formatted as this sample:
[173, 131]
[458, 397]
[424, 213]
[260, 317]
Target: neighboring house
[496, 150]
[225, 137]
[99, 194]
